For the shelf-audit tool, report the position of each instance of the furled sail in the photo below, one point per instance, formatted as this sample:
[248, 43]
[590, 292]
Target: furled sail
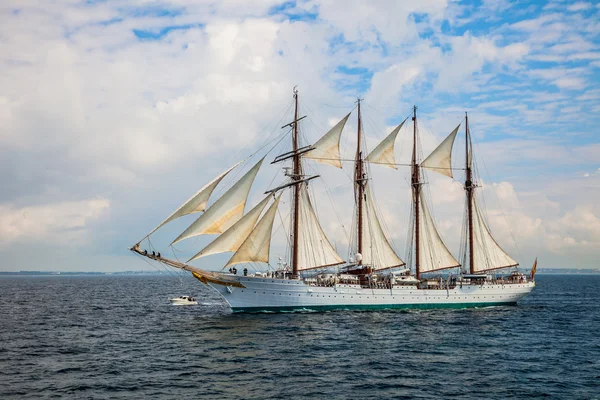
[233, 237]
[487, 253]
[226, 211]
[376, 249]
[440, 159]
[257, 245]
[384, 152]
[314, 249]
[327, 149]
[434, 255]
[197, 202]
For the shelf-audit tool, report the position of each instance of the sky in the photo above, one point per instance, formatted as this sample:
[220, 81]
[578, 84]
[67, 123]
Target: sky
[112, 113]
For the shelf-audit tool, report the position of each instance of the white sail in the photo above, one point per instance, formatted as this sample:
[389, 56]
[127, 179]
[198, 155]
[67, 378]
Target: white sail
[197, 202]
[440, 159]
[384, 152]
[434, 255]
[233, 237]
[376, 249]
[314, 249]
[487, 253]
[257, 245]
[327, 149]
[226, 211]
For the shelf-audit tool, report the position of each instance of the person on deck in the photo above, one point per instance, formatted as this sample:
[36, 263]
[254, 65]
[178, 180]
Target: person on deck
[245, 271]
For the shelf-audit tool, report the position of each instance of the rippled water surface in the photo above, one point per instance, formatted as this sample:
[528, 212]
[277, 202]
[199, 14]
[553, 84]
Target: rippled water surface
[117, 337]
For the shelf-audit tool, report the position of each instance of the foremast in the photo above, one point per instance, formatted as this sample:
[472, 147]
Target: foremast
[416, 189]
[469, 186]
[296, 176]
[309, 247]
[359, 187]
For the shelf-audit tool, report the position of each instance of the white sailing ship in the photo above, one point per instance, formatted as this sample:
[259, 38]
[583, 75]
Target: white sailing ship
[316, 277]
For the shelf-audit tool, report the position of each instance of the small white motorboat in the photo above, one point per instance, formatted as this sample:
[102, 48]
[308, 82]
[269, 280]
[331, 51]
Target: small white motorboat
[183, 301]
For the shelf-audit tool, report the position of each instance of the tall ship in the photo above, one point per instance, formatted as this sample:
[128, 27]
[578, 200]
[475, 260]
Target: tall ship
[313, 276]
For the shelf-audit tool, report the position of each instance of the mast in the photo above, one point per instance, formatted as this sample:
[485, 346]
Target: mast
[416, 194]
[296, 172]
[359, 186]
[469, 189]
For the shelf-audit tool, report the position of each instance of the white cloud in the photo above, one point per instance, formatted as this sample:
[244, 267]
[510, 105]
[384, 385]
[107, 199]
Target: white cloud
[570, 83]
[89, 110]
[588, 174]
[64, 223]
[579, 6]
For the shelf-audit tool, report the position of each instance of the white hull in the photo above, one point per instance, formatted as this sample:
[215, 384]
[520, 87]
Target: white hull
[268, 294]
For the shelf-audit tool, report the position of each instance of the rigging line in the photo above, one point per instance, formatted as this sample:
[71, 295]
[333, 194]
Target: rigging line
[352, 242]
[154, 248]
[236, 174]
[149, 263]
[169, 272]
[373, 108]
[176, 258]
[315, 114]
[377, 211]
[315, 209]
[315, 167]
[385, 163]
[287, 238]
[329, 189]
[374, 126]
[234, 177]
[335, 208]
[285, 112]
[329, 105]
[498, 200]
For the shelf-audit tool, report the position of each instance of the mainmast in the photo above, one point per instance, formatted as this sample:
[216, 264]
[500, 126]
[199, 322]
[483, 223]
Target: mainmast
[359, 186]
[416, 194]
[296, 175]
[469, 188]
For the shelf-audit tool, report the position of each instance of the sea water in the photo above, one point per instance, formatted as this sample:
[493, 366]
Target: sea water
[118, 337]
